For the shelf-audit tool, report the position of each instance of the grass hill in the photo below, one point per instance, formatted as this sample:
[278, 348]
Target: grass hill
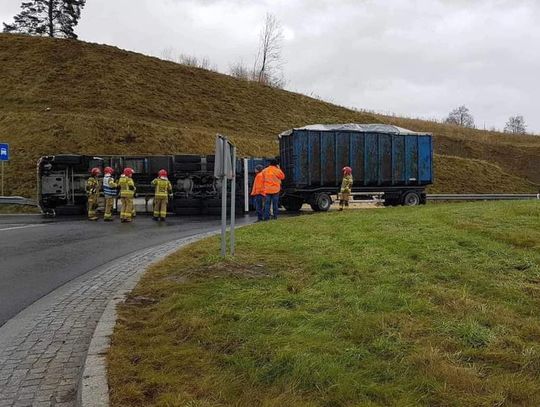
[59, 96]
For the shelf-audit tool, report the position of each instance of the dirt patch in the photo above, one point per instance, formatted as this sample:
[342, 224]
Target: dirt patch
[231, 268]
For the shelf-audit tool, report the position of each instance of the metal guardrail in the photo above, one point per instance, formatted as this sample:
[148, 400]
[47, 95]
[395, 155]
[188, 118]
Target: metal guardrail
[481, 197]
[16, 200]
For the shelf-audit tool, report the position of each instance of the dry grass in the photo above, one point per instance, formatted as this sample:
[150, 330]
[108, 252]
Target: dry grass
[105, 100]
[456, 175]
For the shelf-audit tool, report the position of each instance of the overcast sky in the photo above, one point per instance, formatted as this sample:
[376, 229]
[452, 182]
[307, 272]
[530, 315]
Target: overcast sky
[417, 58]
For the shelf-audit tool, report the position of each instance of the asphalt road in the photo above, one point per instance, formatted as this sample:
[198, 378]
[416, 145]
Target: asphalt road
[37, 256]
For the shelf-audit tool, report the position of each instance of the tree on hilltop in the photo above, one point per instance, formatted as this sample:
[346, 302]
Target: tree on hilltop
[268, 65]
[515, 125]
[461, 117]
[53, 18]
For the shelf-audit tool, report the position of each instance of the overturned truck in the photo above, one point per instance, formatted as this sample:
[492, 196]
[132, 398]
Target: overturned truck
[62, 180]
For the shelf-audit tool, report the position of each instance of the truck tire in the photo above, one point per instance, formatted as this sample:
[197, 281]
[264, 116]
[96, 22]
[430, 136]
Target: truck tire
[411, 198]
[293, 204]
[321, 202]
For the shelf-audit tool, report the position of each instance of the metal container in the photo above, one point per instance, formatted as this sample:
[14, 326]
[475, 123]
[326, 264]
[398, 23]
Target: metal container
[379, 155]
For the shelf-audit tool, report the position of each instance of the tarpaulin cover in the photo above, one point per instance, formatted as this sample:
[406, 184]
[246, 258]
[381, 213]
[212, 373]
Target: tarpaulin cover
[364, 128]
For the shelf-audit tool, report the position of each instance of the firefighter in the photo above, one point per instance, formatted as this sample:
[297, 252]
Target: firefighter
[346, 188]
[127, 193]
[109, 190]
[163, 189]
[272, 177]
[257, 192]
[92, 193]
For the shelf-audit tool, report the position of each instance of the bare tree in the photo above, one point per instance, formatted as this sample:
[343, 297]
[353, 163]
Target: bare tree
[167, 54]
[515, 125]
[241, 71]
[268, 64]
[461, 117]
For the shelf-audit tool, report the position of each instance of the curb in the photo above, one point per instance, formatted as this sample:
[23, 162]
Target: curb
[93, 389]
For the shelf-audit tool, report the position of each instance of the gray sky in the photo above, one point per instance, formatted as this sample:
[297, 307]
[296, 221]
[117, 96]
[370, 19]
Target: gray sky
[417, 58]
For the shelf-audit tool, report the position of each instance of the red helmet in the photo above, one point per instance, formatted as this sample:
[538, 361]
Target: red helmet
[95, 171]
[162, 173]
[108, 170]
[128, 172]
[347, 170]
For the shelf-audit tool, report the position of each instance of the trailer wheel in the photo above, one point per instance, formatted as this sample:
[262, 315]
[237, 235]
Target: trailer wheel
[411, 199]
[293, 204]
[321, 202]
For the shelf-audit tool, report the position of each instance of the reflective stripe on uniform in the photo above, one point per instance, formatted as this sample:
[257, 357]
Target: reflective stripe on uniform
[127, 187]
[163, 188]
[108, 189]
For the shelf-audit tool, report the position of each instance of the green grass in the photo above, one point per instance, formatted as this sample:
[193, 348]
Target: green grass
[59, 96]
[429, 306]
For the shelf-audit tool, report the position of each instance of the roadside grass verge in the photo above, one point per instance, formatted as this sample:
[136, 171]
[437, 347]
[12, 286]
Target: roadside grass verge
[15, 209]
[428, 306]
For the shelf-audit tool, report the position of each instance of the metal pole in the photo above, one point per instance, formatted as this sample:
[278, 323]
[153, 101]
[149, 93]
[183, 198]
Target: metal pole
[2, 178]
[233, 198]
[246, 185]
[223, 202]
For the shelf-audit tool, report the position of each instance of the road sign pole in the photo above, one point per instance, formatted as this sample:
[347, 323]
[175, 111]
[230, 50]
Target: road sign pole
[2, 178]
[224, 201]
[233, 199]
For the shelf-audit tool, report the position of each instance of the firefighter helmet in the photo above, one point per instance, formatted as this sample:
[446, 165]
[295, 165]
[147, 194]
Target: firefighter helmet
[95, 171]
[108, 170]
[347, 170]
[128, 172]
[162, 173]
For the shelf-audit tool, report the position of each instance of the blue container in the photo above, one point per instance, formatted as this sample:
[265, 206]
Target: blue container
[380, 156]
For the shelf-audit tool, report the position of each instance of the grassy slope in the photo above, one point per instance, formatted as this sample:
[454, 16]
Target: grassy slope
[431, 306]
[455, 175]
[105, 100]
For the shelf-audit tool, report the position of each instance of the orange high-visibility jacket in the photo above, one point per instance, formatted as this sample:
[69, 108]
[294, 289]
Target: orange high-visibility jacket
[272, 177]
[258, 185]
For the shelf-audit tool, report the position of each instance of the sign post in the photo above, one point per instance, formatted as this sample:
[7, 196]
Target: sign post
[224, 170]
[4, 156]
[233, 198]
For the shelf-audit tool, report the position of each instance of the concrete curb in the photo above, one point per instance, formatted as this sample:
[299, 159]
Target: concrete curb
[93, 389]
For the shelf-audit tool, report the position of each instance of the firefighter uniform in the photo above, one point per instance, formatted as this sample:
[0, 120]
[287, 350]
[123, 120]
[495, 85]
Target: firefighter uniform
[163, 188]
[127, 193]
[109, 190]
[92, 193]
[345, 192]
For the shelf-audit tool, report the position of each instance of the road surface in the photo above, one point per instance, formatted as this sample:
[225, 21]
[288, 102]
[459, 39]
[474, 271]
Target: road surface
[37, 256]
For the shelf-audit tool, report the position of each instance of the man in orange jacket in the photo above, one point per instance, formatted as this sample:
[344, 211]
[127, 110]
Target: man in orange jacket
[257, 192]
[272, 177]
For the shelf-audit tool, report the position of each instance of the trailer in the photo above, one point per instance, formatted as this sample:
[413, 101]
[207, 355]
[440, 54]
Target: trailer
[391, 162]
[62, 178]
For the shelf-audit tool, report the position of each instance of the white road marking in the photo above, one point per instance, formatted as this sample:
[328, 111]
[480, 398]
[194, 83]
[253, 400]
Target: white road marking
[20, 227]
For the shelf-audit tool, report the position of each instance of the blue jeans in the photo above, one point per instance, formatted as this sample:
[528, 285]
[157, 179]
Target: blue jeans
[258, 200]
[271, 200]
